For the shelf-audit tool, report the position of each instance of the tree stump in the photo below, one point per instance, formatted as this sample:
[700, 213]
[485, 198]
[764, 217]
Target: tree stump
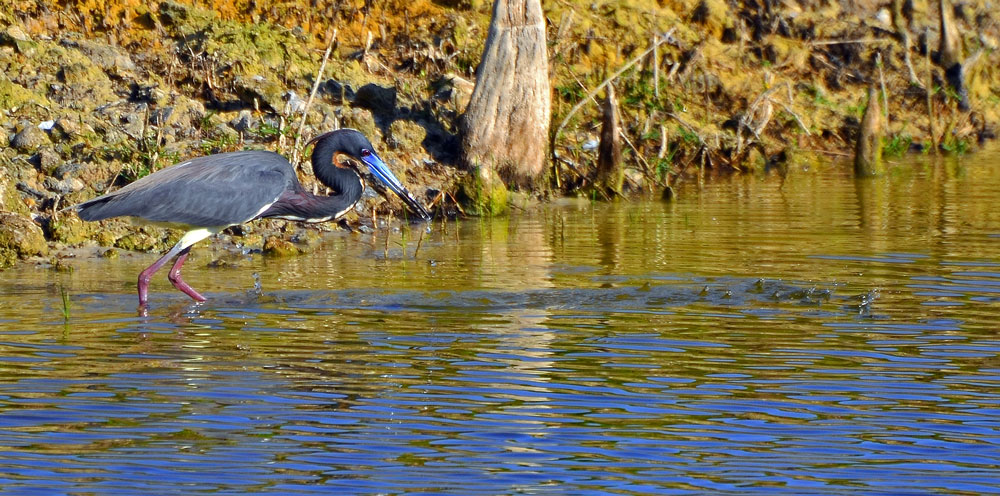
[868, 154]
[950, 56]
[505, 128]
[610, 172]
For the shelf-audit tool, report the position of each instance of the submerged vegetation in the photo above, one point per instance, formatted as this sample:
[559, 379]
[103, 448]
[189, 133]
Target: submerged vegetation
[97, 93]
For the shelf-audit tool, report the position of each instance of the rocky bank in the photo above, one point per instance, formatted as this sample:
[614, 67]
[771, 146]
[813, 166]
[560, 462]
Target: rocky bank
[94, 95]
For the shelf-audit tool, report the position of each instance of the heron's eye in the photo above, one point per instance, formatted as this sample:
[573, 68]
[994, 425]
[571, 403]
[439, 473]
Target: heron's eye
[365, 152]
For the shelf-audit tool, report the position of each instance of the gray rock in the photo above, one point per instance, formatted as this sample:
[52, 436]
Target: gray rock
[64, 186]
[30, 138]
[160, 116]
[32, 191]
[46, 160]
[112, 136]
[68, 169]
[133, 124]
[294, 104]
[243, 122]
[112, 59]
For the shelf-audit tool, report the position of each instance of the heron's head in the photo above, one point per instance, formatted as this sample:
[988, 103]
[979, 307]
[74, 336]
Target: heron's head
[355, 145]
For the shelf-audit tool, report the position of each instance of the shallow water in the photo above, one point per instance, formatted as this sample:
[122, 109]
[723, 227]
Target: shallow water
[806, 335]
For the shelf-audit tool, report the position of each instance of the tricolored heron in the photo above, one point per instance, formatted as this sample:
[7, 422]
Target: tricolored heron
[208, 194]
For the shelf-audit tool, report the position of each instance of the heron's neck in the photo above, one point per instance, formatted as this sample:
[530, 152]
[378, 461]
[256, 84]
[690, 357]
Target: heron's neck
[298, 204]
[347, 188]
[345, 183]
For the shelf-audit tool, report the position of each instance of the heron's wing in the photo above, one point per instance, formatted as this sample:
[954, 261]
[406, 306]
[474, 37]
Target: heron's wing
[216, 190]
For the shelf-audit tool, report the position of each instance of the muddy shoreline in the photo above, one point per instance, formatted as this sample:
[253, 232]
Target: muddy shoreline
[91, 100]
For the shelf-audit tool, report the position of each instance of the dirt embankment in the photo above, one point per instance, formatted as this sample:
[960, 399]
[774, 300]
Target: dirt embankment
[98, 94]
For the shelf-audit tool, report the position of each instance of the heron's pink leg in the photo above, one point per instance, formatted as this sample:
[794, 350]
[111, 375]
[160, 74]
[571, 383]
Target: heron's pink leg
[175, 276]
[147, 274]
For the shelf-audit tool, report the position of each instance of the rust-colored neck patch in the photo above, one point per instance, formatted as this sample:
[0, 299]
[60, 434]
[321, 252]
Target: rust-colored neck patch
[338, 162]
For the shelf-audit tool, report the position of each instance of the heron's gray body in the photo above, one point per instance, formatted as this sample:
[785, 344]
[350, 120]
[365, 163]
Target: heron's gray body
[214, 191]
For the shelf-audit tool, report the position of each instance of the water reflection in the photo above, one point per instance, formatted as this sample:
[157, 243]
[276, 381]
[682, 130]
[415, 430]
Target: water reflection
[815, 335]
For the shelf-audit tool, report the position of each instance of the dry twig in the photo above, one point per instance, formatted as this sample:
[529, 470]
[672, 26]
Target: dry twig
[312, 94]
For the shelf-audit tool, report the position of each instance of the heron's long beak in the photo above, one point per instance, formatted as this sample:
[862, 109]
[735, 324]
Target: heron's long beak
[383, 174]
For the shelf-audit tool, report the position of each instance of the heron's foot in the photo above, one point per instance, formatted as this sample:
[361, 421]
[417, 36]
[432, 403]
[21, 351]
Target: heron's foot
[175, 277]
[179, 283]
[195, 295]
